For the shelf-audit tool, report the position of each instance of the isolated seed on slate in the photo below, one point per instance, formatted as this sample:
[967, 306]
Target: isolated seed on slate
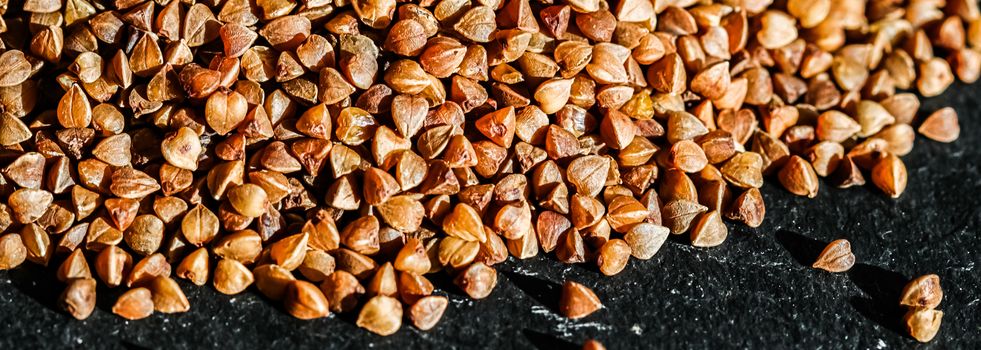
[578, 301]
[941, 125]
[593, 344]
[837, 256]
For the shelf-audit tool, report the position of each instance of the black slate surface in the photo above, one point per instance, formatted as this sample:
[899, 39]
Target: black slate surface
[754, 291]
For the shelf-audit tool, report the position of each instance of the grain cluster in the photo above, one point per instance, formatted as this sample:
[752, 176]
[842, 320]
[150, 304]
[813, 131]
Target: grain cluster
[335, 154]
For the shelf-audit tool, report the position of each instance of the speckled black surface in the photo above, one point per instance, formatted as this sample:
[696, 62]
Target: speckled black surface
[754, 291]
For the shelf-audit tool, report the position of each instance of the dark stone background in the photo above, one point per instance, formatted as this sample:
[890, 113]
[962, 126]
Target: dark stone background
[755, 291]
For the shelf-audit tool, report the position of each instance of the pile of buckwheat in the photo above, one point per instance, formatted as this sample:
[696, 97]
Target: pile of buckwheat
[333, 154]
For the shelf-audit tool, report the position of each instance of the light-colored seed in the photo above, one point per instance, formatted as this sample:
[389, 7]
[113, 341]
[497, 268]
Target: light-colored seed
[744, 170]
[942, 126]
[381, 315]
[645, 240]
[872, 117]
[935, 77]
[777, 29]
[182, 149]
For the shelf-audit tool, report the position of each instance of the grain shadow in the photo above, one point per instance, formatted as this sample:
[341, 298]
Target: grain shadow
[350, 318]
[682, 239]
[882, 289]
[39, 283]
[443, 282]
[544, 341]
[803, 249]
[544, 292]
[106, 297]
[132, 346]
